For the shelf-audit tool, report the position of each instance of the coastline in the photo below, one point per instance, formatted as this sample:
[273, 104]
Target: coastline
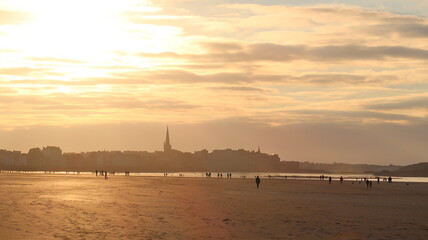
[274, 175]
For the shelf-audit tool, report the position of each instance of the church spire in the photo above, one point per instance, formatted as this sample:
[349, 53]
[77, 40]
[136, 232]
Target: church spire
[167, 136]
[167, 144]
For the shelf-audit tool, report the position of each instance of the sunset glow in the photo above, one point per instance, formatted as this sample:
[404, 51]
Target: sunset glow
[284, 68]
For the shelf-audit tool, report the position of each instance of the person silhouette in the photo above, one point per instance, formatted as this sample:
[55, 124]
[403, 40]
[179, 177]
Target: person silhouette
[257, 181]
[105, 175]
[367, 183]
[341, 179]
[390, 179]
[329, 180]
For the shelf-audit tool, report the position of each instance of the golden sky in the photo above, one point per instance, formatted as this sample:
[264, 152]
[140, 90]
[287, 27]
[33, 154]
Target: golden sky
[333, 72]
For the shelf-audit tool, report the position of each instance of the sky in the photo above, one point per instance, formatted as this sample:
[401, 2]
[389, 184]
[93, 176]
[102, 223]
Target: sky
[319, 81]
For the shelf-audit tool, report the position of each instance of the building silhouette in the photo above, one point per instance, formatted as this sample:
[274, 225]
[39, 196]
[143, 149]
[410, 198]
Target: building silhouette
[52, 157]
[167, 144]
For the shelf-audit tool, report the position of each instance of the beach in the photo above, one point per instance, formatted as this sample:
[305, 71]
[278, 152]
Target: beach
[60, 206]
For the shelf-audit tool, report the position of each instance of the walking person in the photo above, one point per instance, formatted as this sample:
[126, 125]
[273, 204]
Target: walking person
[257, 181]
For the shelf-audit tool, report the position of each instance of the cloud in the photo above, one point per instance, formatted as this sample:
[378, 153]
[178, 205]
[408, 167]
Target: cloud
[164, 77]
[410, 30]
[251, 21]
[355, 116]
[241, 78]
[14, 17]
[287, 53]
[92, 101]
[241, 89]
[36, 82]
[55, 60]
[420, 103]
[222, 47]
[186, 77]
[6, 90]
[348, 12]
[26, 71]
[8, 51]
[154, 104]
[343, 79]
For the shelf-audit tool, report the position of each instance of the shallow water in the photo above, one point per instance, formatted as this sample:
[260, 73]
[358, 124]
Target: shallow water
[297, 176]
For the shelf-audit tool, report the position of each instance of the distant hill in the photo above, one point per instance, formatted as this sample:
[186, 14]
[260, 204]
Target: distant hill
[414, 170]
[342, 167]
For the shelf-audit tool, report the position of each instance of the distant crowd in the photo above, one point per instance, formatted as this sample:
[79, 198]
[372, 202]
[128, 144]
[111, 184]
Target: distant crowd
[365, 180]
[219, 175]
[359, 180]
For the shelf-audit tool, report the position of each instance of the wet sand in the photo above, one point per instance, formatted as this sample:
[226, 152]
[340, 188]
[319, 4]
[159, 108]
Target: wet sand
[39, 206]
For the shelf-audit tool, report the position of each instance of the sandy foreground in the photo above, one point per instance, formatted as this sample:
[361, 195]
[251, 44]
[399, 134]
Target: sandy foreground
[39, 206]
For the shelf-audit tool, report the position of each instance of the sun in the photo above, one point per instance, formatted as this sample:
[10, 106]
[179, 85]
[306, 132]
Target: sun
[77, 28]
[82, 29]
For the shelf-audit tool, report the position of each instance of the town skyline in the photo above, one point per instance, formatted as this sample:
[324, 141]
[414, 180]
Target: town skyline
[162, 143]
[52, 158]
